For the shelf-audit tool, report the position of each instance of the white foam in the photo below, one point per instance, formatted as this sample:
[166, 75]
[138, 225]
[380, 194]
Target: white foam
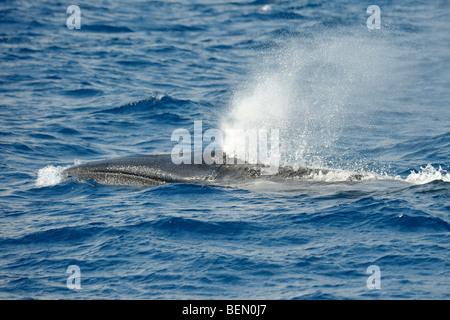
[342, 176]
[427, 175]
[423, 176]
[266, 7]
[50, 176]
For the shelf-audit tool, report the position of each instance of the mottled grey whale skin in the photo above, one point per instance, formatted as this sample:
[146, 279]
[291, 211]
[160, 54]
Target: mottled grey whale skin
[145, 170]
[153, 170]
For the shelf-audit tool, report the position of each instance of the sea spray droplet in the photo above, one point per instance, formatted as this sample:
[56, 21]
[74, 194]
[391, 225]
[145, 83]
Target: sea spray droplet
[49, 176]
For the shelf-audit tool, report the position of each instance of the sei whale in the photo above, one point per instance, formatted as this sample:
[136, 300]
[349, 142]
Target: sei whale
[153, 170]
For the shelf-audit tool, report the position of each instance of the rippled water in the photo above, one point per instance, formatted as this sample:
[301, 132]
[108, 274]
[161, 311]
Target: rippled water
[344, 98]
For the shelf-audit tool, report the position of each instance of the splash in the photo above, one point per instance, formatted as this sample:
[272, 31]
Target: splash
[50, 176]
[427, 175]
[313, 90]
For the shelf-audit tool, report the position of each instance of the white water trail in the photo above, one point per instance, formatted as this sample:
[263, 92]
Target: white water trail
[52, 175]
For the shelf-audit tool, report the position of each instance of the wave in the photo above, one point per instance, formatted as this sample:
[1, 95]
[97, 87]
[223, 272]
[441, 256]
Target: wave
[61, 234]
[150, 103]
[194, 226]
[104, 28]
[413, 223]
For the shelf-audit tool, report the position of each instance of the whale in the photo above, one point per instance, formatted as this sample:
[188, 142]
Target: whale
[154, 170]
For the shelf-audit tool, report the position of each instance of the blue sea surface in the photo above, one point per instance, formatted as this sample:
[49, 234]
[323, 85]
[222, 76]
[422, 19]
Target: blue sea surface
[344, 97]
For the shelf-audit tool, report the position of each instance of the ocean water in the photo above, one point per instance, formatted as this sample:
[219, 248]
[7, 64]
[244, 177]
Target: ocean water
[343, 97]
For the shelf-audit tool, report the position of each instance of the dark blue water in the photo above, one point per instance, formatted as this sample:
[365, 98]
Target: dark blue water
[344, 97]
